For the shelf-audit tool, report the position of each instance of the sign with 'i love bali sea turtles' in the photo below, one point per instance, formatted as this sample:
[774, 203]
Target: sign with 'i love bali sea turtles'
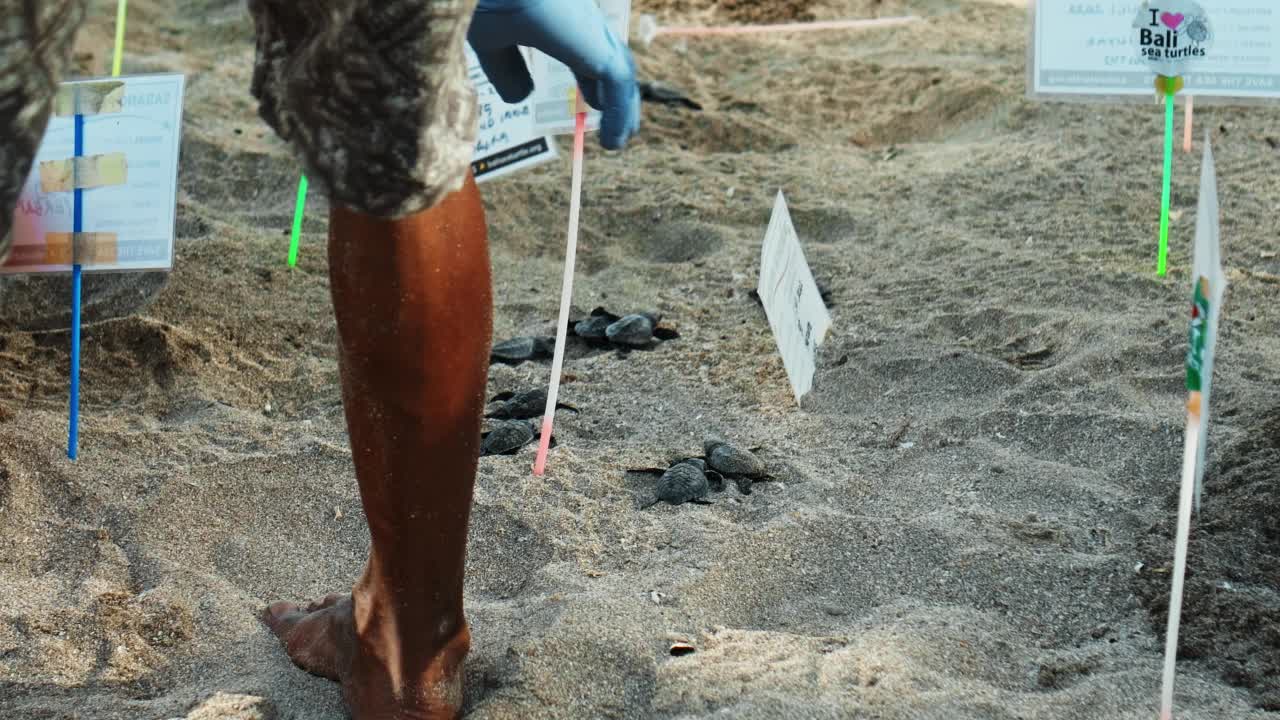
[1226, 51]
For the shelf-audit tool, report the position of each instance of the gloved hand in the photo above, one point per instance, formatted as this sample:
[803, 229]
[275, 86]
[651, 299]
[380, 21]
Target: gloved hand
[571, 31]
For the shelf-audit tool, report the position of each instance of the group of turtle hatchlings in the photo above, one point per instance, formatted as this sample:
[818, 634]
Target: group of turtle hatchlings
[694, 479]
[637, 331]
[688, 480]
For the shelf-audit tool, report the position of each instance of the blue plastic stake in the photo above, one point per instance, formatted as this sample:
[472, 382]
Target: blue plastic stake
[74, 438]
[77, 227]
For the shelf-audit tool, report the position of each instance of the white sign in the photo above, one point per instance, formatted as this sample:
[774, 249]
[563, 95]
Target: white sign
[555, 86]
[506, 140]
[1209, 283]
[797, 315]
[127, 172]
[1088, 49]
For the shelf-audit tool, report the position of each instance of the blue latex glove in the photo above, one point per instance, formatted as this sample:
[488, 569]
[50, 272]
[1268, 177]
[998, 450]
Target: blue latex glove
[571, 31]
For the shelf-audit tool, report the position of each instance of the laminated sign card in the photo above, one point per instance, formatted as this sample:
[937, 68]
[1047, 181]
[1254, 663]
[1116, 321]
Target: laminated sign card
[102, 192]
[1222, 49]
[506, 140]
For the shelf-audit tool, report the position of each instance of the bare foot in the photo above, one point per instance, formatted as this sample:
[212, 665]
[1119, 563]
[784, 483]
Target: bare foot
[320, 638]
[379, 681]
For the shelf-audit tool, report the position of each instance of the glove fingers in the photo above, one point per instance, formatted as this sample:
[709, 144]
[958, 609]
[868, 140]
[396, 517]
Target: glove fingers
[506, 69]
[590, 88]
[619, 101]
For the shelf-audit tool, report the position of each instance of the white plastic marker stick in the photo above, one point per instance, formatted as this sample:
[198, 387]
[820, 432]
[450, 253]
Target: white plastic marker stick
[1179, 561]
[1208, 285]
[1188, 114]
[566, 289]
[649, 29]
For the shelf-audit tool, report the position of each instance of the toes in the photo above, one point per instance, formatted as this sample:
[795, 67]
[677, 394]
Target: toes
[281, 617]
[315, 638]
[327, 601]
[315, 652]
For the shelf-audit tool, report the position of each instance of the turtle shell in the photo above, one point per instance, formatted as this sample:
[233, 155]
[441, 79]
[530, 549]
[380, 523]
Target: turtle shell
[518, 406]
[522, 406]
[733, 462]
[507, 437]
[683, 482]
[593, 328]
[632, 331]
[518, 350]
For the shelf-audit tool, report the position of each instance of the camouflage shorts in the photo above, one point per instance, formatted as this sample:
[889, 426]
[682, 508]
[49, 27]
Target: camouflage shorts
[372, 94]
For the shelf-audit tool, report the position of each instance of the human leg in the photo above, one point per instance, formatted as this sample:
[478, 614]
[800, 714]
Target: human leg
[413, 305]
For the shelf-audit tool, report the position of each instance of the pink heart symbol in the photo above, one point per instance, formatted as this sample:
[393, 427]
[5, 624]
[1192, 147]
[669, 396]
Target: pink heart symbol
[1172, 20]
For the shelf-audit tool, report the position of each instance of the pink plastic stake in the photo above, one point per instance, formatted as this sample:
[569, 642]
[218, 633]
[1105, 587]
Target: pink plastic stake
[784, 27]
[1186, 126]
[566, 290]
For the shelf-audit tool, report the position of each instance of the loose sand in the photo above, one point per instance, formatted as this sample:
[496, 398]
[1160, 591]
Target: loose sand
[973, 512]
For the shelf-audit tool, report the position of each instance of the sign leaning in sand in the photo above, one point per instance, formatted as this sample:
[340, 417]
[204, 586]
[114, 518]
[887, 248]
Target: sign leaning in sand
[124, 180]
[1208, 283]
[1084, 50]
[797, 315]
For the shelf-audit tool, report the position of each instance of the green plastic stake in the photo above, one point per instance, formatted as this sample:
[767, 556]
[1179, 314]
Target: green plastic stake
[297, 221]
[115, 61]
[1171, 87]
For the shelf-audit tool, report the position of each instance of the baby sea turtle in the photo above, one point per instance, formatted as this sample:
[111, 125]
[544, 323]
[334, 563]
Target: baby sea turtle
[633, 330]
[686, 481]
[741, 466]
[521, 406]
[518, 350]
[507, 437]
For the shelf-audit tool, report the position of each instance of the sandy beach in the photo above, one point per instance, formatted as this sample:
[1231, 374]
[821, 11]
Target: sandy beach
[972, 515]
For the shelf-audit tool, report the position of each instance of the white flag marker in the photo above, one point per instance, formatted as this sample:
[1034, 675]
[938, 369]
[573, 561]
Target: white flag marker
[1207, 285]
[797, 315]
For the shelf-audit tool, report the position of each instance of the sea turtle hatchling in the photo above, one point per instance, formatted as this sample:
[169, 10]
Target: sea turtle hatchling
[523, 405]
[634, 330]
[739, 465]
[507, 437]
[686, 481]
[518, 350]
